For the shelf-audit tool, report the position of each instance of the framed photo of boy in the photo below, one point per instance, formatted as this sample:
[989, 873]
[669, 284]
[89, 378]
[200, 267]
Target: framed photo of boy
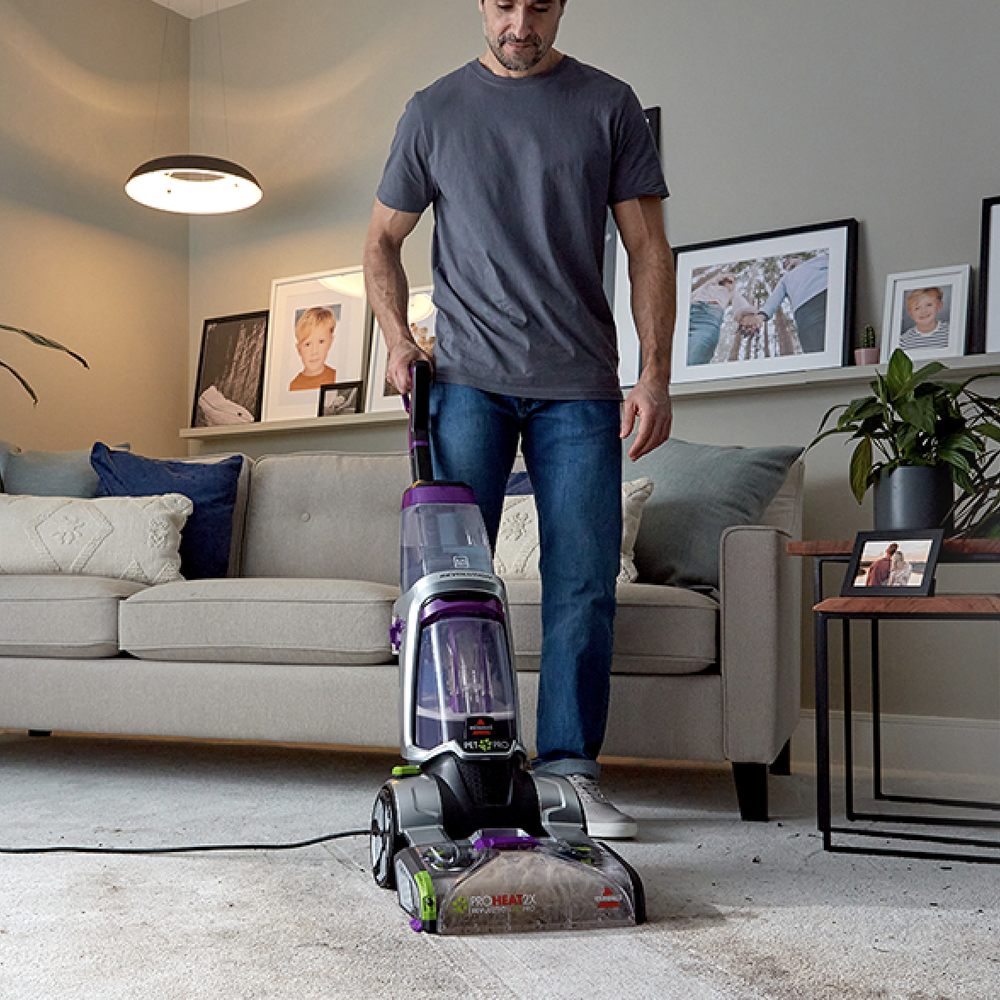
[926, 313]
[767, 303]
[893, 563]
[422, 317]
[230, 378]
[988, 320]
[340, 398]
[318, 337]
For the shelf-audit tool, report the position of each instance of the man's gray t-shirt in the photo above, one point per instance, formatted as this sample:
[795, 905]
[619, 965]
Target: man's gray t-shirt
[521, 172]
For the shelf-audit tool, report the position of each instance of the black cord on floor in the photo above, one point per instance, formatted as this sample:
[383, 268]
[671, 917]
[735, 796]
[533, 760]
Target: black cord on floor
[186, 850]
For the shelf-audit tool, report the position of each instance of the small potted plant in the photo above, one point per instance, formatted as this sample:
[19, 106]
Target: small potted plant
[866, 353]
[917, 440]
[35, 338]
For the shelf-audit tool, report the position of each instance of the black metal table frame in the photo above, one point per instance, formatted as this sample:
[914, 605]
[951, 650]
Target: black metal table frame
[823, 782]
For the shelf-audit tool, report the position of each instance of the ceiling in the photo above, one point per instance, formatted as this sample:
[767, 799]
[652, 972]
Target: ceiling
[197, 8]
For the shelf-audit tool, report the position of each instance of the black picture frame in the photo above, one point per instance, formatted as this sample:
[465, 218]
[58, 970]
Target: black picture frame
[350, 393]
[986, 336]
[759, 264]
[231, 360]
[922, 545]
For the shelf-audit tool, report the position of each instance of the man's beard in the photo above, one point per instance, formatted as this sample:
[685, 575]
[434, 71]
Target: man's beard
[518, 62]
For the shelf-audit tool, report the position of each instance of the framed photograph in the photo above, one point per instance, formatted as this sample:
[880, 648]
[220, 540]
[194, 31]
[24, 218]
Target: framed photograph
[319, 325]
[422, 317]
[618, 287]
[893, 563]
[341, 397]
[230, 370]
[773, 302]
[988, 321]
[926, 313]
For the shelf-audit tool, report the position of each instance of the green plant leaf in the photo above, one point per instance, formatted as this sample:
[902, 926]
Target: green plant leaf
[920, 412]
[37, 338]
[861, 467]
[898, 373]
[20, 378]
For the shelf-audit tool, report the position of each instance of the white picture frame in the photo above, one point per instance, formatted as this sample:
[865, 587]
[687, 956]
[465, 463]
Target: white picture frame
[342, 293]
[422, 317]
[988, 320]
[936, 297]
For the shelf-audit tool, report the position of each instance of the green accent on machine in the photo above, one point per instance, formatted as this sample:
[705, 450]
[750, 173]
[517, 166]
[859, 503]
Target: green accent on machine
[428, 898]
[405, 771]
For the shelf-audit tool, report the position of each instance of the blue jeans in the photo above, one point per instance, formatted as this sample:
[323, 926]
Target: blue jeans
[704, 327]
[572, 452]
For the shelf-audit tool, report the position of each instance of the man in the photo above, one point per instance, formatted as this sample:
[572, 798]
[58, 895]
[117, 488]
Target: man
[520, 152]
[878, 572]
[804, 284]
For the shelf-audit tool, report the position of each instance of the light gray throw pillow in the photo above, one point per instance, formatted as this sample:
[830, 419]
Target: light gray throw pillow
[700, 490]
[123, 538]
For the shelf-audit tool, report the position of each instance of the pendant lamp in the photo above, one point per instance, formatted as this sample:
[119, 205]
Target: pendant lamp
[193, 184]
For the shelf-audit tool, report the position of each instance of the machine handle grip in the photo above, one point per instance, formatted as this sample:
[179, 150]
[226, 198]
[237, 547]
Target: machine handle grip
[421, 376]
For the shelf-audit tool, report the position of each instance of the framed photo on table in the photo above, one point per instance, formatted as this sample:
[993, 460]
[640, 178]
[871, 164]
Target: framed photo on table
[988, 320]
[926, 313]
[893, 563]
[422, 317]
[319, 326]
[230, 379]
[772, 302]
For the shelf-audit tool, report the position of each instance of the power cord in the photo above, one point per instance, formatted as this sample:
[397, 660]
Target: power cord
[196, 848]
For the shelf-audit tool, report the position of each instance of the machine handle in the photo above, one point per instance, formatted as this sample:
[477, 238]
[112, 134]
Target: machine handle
[419, 409]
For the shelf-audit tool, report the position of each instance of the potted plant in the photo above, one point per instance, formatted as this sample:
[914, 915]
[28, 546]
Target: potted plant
[36, 338]
[866, 353]
[918, 439]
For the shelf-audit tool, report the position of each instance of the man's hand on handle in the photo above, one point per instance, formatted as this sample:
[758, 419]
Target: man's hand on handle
[649, 402]
[401, 355]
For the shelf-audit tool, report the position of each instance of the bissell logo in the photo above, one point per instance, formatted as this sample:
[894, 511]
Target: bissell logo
[608, 900]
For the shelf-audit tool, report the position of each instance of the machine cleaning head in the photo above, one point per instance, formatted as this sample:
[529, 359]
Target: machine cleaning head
[471, 840]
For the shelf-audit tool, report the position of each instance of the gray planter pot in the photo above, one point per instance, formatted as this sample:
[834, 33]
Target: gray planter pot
[914, 496]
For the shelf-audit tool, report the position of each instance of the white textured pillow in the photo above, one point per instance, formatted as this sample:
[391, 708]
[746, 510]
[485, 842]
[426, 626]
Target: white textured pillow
[125, 538]
[516, 555]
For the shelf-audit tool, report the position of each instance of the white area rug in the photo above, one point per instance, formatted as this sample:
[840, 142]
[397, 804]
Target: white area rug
[737, 910]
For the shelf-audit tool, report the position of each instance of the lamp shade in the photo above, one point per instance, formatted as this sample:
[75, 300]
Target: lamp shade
[193, 185]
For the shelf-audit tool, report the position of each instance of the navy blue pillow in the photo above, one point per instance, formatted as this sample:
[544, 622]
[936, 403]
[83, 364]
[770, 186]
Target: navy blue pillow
[206, 537]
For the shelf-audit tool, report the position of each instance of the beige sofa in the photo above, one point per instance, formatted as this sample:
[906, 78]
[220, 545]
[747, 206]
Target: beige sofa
[294, 646]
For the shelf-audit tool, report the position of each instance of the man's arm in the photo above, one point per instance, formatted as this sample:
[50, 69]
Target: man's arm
[654, 308]
[388, 289]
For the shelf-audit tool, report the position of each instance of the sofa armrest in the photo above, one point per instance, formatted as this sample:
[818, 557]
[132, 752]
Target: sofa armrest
[759, 644]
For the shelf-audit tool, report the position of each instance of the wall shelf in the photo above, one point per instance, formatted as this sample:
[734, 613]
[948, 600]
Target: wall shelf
[973, 364]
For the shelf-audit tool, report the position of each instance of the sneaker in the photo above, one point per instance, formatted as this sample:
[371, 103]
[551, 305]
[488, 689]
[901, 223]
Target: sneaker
[603, 819]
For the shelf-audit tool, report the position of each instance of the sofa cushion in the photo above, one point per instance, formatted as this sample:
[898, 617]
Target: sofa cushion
[212, 488]
[325, 515]
[61, 616]
[127, 538]
[518, 544]
[261, 621]
[658, 630]
[700, 490]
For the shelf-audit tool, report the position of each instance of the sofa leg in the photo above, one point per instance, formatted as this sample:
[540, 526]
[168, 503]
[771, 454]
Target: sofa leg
[782, 765]
[39, 732]
[751, 790]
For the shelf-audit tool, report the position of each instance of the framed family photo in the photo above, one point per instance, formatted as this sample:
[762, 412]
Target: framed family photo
[422, 317]
[893, 563]
[230, 378]
[772, 302]
[318, 337]
[926, 313]
[340, 398]
[988, 319]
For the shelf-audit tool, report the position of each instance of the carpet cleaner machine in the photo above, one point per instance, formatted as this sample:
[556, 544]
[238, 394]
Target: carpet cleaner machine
[471, 840]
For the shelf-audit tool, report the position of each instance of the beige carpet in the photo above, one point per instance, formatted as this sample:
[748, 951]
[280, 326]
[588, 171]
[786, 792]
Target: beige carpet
[741, 911]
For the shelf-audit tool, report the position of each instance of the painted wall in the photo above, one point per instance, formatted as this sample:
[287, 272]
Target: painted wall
[79, 261]
[776, 113]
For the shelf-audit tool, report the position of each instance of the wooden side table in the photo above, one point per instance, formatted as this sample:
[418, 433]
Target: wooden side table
[910, 829]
